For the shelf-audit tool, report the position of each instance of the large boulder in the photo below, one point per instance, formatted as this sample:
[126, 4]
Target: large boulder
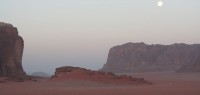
[11, 51]
[140, 57]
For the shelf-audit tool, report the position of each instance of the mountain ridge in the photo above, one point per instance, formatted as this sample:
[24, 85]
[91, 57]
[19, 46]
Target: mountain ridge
[140, 57]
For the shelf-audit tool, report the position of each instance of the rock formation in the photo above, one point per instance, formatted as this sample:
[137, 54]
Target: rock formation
[140, 57]
[76, 73]
[11, 51]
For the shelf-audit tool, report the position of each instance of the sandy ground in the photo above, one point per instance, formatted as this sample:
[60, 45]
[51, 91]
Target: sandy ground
[166, 83]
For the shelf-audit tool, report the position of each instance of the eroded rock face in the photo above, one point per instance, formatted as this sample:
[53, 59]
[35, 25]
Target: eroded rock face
[140, 57]
[76, 73]
[11, 51]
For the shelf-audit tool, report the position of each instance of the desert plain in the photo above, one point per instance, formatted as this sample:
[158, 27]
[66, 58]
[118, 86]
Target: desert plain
[164, 83]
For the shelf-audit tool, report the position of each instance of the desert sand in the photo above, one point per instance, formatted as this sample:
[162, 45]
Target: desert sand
[165, 83]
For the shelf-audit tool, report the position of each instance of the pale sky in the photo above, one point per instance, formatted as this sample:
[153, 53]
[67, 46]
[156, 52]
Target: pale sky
[81, 32]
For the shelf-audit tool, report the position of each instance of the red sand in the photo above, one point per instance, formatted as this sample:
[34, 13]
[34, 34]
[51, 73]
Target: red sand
[164, 84]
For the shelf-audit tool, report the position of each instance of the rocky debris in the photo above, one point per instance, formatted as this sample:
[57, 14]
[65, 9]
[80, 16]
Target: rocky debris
[76, 73]
[11, 51]
[140, 57]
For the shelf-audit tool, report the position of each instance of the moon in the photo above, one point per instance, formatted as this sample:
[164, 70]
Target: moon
[160, 3]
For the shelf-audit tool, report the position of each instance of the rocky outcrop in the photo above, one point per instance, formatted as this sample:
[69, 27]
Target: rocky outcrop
[11, 51]
[76, 73]
[140, 57]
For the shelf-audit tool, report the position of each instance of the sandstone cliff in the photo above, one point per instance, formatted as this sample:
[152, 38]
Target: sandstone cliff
[76, 73]
[140, 57]
[11, 51]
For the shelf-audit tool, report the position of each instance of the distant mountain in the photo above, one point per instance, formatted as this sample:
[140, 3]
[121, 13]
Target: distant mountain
[40, 74]
[140, 57]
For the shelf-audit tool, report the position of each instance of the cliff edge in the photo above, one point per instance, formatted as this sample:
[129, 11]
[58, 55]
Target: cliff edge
[11, 51]
[140, 57]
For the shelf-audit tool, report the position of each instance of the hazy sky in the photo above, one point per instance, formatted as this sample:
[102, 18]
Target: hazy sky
[81, 32]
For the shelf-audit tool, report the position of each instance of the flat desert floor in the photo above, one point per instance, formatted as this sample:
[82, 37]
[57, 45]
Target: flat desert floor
[165, 83]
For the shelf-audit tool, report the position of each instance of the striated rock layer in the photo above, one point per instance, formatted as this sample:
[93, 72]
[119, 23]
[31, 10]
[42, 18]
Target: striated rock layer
[11, 51]
[140, 57]
[76, 73]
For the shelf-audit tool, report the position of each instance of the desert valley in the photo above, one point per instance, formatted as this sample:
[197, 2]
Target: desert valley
[131, 69]
[166, 83]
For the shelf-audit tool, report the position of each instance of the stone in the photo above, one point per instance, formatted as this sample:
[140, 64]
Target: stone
[11, 51]
[140, 57]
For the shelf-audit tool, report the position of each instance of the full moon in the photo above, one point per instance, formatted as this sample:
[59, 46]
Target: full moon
[160, 3]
